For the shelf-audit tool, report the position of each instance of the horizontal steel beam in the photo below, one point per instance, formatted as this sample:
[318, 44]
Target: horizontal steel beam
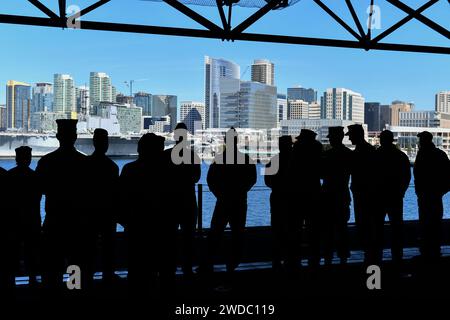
[170, 31]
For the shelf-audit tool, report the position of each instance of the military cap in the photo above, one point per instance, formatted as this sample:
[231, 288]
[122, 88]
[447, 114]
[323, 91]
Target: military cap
[355, 129]
[23, 150]
[335, 131]
[306, 134]
[67, 125]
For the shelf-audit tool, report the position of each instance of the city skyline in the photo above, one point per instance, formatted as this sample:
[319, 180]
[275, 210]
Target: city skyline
[139, 88]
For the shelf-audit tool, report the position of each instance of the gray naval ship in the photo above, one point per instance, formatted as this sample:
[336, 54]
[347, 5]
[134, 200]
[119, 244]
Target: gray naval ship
[119, 146]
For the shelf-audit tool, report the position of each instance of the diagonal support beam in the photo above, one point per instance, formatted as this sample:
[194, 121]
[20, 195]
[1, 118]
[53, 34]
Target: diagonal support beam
[403, 21]
[429, 23]
[256, 16]
[193, 15]
[338, 20]
[355, 18]
[222, 14]
[44, 9]
[92, 7]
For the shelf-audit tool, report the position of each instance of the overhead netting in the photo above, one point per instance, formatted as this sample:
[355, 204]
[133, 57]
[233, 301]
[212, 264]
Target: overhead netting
[241, 3]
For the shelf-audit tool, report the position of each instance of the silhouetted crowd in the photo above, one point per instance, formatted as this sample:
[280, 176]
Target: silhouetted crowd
[154, 199]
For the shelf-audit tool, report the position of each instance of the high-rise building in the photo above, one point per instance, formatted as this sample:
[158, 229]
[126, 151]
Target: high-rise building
[64, 94]
[3, 117]
[165, 105]
[123, 99]
[113, 94]
[247, 104]
[100, 88]
[42, 99]
[298, 109]
[215, 71]
[442, 103]
[376, 116]
[342, 104]
[263, 71]
[299, 93]
[82, 100]
[396, 108]
[144, 100]
[282, 108]
[193, 115]
[18, 104]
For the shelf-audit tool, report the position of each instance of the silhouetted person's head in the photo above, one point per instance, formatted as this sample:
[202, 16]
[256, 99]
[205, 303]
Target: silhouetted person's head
[335, 136]
[306, 136]
[386, 138]
[67, 132]
[180, 133]
[150, 145]
[101, 142]
[355, 134]
[231, 138]
[285, 144]
[425, 139]
[23, 156]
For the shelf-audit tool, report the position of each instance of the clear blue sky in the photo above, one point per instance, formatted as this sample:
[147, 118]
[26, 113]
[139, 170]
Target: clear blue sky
[174, 65]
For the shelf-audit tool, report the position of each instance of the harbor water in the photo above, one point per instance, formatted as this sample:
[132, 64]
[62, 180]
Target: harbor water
[258, 198]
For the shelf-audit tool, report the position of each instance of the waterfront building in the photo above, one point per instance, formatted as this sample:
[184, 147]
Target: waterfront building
[157, 124]
[100, 88]
[396, 108]
[193, 115]
[406, 138]
[247, 104]
[442, 103]
[64, 94]
[293, 127]
[299, 93]
[263, 71]
[18, 105]
[144, 100]
[129, 117]
[42, 97]
[215, 71]
[165, 105]
[45, 121]
[424, 119]
[342, 104]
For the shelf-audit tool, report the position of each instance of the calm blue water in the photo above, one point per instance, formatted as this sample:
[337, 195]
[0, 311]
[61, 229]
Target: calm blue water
[258, 198]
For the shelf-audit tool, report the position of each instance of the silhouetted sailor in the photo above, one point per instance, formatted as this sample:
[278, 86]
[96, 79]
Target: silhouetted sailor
[25, 211]
[230, 177]
[365, 187]
[104, 189]
[431, 179]
[7, 268]
[395, 174]
[277, 178]
[305, 198]
[62, 175]
[144, 214]
[336, 166]
[184, 172]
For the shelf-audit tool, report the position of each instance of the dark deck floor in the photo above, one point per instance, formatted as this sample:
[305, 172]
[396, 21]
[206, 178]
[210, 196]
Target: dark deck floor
[329, 290]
